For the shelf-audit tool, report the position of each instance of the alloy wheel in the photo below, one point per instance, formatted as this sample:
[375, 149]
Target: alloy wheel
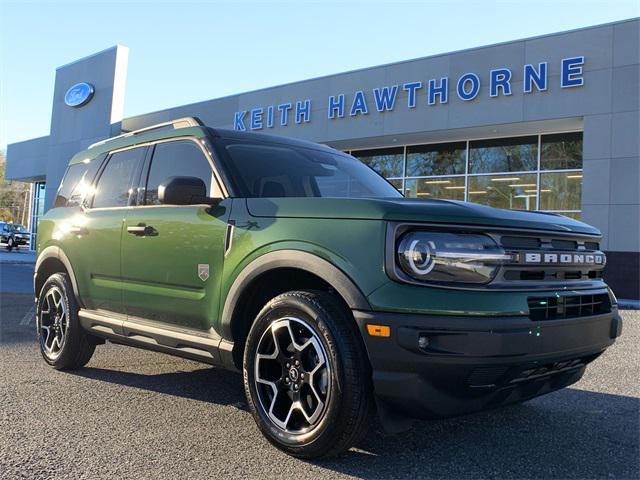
[53, 321]
[292, 375]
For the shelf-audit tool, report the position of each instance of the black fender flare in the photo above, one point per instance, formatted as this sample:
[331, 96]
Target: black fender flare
[56, 252]
[299, 259]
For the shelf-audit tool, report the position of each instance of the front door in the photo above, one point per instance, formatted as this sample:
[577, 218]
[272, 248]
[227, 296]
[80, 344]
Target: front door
[172, 255]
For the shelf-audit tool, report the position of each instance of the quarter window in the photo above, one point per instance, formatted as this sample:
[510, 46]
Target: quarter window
[77, 182]
[180, 158]
[114, 185]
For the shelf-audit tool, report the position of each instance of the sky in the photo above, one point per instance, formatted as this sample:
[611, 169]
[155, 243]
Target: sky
[183, 52]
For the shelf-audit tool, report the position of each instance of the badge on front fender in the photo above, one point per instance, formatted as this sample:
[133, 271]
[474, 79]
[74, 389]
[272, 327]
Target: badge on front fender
[203, 271]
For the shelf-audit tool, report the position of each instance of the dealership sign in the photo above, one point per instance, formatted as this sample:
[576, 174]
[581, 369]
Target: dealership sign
[433, 92]
[79, 94]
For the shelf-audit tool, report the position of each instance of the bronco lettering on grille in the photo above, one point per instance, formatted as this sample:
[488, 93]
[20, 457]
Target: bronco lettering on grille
[537, 258]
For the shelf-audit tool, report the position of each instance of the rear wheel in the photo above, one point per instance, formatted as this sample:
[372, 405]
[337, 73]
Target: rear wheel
[306, 375]
[63, 343]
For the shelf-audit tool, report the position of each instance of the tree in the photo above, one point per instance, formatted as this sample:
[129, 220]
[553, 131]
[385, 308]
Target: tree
[14, 197]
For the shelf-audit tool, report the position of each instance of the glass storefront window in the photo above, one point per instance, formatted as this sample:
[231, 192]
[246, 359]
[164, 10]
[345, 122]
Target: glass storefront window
[561, 151]
[448, 188]
[388, 162]
[574, 215]
[396, 182]
[560, 191]
[436, 159]
[37, 210]
[503, 155]
[504, 191]
[502, 172]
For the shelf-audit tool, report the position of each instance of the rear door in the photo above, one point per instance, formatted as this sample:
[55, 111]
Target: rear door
[96, 231]
[172, 254]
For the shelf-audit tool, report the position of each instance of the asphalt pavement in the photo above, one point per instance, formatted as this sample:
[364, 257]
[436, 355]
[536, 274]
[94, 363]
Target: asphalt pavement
[137, 414]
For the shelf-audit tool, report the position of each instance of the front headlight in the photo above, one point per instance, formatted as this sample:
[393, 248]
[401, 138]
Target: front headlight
[441, 257]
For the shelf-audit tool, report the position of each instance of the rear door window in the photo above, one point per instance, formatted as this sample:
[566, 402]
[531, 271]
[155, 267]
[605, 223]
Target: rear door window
[114, 187]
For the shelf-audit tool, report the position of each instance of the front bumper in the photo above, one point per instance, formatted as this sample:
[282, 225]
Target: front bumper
[474, 363]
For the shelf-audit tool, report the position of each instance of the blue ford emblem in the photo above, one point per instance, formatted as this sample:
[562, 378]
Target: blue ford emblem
[79, 94]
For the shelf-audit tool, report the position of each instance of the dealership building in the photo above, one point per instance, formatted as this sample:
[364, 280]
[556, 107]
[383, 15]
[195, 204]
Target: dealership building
[548, 123]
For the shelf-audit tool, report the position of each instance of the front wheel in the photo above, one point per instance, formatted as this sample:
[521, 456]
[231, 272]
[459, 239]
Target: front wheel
[10, 244]
[306, 375]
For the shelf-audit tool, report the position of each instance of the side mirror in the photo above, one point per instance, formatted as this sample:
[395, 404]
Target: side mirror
[183, 191]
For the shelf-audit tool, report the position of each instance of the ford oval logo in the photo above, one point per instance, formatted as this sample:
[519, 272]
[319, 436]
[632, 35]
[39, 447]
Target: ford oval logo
[79, 94]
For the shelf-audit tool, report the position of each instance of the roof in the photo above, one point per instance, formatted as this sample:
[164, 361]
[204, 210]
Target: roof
[162, 132]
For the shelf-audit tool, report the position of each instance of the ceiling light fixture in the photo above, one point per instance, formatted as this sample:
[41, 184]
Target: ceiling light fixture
[506, 179]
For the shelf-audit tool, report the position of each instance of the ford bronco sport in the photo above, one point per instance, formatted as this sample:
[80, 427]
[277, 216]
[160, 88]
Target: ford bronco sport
[301, 267]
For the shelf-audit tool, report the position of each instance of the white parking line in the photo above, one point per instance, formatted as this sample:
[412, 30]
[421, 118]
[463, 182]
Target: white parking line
[29, 317]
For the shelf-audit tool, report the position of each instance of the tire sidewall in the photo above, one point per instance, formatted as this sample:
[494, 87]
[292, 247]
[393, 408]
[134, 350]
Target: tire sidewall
[297, 308]
[73, 331]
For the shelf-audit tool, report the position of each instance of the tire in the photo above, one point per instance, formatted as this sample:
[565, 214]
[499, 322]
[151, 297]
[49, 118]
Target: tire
[10, 244]
[335, 397]
[63, 343]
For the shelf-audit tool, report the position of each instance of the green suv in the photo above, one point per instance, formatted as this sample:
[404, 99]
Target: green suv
[303, 268]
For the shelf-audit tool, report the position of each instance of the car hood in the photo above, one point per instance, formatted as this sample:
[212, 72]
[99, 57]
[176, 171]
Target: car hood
[413, 210]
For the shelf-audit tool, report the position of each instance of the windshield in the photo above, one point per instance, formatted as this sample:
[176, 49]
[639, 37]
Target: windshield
[17, 228]
[292, 171]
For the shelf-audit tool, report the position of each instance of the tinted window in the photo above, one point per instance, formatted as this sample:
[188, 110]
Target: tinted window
[115, 182]
[388, 162]
[171, 159]
[504, 191]
[291, 171]
[503, 155]
[451, 188]
[77, 182]
[561, 151]
[437, 159]
[561, 191]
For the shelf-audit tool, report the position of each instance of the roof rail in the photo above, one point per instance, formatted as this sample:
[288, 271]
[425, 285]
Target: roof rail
[178, 123]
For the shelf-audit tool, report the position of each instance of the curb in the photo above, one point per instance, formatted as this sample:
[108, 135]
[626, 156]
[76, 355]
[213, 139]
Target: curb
[628, 304]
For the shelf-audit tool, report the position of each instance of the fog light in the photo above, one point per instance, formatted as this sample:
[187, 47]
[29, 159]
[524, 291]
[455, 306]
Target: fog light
[423, 341]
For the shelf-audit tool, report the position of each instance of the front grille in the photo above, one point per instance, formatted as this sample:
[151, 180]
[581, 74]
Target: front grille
[520, 242]
[574, 306]
[522, 274]
[500, 376]
[486, 376]
[564, 244]
[551, 275]
[535, 242]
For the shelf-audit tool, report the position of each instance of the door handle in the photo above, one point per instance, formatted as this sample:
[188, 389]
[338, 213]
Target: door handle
[77, 230]
[142, 230]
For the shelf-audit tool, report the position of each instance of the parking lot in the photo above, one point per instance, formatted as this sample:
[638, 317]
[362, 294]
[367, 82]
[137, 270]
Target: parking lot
[137, 414]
